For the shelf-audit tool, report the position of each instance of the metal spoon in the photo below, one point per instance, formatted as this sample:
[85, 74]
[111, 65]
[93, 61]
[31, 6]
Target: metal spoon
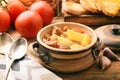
[6, 42]
[17, 51]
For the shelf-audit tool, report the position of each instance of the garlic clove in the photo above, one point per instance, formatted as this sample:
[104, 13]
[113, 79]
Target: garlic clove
[110, 54]
[104, 63]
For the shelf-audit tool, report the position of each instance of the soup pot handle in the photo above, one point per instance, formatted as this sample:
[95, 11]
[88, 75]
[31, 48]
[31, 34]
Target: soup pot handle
[44, 56]
[103, 43]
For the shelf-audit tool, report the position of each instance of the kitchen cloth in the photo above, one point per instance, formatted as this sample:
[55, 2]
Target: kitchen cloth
[28, 69]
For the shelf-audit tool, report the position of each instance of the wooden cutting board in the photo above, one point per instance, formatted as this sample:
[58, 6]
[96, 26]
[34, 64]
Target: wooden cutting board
[92, 73]
[91, 19]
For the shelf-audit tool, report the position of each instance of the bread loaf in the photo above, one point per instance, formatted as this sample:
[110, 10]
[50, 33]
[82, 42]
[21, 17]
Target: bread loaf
[109, 7]
[74, 8]
[89, 5]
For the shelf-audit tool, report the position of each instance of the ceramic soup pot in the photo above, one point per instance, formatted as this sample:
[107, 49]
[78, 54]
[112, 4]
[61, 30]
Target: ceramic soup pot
[64, 60]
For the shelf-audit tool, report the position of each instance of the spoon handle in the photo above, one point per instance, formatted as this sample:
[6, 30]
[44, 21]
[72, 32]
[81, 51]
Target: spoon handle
[5, 75]
[10, 74]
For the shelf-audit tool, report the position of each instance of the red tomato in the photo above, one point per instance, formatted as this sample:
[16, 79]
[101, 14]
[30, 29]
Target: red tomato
[45, 11]
[28, 24]
[15, 7]
[4, 20]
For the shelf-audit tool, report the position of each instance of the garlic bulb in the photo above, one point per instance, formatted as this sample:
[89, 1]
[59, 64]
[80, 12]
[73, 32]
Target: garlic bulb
[110, 54]
[104, 63]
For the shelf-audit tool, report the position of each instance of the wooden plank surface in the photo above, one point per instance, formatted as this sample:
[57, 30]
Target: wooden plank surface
[93, 73]
[92, 19]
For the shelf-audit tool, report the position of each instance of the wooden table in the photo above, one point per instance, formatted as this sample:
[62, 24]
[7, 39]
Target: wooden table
[92, 73]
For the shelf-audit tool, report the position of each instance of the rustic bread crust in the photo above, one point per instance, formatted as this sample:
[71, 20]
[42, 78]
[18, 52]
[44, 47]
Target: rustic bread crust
[89, 5]
[74, 8]
[109, 7]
